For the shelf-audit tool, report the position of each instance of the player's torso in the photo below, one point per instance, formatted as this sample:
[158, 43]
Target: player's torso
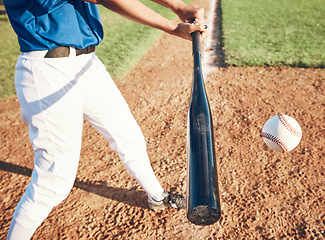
[44, 24]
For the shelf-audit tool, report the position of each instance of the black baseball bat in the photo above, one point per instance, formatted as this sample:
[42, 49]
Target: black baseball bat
[203, 202]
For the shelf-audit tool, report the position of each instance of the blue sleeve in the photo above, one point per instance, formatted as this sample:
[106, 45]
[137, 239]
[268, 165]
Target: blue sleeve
[37, 7]
[47, 6]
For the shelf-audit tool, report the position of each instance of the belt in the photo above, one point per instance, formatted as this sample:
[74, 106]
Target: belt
[64, 51]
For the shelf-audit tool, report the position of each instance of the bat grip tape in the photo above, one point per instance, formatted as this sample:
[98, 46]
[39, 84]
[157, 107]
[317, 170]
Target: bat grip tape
[196, 42]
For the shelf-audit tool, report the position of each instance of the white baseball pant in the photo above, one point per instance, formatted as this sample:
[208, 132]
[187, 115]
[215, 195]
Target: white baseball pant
[55, 95]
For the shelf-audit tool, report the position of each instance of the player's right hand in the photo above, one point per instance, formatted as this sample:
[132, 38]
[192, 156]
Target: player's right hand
[190, 13]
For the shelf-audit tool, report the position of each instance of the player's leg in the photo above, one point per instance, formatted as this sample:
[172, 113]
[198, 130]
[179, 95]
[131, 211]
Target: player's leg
[108, 112]
[51, 107]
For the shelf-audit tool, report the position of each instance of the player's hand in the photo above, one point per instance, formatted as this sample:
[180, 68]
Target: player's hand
[193, 14]
[185, 29]
[188, 13]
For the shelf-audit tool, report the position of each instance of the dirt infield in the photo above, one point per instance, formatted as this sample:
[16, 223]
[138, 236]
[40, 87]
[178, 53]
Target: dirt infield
[264, 194]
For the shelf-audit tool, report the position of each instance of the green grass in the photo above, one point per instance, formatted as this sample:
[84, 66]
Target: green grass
[274, 32]
[123, 45]
[9, 52]
[126, 41]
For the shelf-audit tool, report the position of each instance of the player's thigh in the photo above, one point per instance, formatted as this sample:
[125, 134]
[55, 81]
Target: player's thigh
[51, 107]
[109, 113]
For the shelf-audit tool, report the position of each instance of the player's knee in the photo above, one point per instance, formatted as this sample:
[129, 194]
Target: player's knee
[50, 190]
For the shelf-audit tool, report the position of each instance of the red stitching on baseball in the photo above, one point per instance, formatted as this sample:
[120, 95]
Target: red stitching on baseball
[288, 126]
[276, 140]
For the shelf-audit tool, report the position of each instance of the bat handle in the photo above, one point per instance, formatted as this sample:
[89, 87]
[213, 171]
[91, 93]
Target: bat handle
[196, 42]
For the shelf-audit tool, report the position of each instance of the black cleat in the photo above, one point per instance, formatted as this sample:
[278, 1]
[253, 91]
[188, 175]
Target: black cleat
[170, 200]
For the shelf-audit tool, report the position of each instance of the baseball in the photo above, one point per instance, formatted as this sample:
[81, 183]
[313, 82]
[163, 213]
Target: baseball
[282, 133]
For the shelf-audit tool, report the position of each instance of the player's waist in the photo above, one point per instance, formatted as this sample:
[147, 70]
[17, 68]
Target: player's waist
[59, 52]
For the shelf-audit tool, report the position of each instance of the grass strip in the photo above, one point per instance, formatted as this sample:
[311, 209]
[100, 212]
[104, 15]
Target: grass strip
[274, 32]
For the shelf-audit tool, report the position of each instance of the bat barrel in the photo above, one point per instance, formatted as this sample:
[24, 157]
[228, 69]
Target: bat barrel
[203, 205]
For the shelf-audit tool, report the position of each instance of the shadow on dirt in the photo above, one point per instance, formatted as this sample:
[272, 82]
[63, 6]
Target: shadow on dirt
[130, 197]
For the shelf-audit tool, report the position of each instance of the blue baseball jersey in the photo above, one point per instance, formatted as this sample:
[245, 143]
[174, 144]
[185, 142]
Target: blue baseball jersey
[47, 24]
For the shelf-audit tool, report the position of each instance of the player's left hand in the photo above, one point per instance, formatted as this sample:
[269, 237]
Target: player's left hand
[184, 30]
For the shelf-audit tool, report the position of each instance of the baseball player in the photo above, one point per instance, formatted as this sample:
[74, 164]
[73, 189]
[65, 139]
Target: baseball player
[59, 82]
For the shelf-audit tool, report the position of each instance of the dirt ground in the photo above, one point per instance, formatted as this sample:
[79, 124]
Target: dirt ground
[264, 194]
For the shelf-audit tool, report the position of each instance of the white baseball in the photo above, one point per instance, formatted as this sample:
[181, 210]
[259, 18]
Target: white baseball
[282, 133]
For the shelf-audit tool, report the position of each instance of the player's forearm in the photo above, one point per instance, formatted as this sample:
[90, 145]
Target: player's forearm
[187, 13]
[174, 5]
[138, 12]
